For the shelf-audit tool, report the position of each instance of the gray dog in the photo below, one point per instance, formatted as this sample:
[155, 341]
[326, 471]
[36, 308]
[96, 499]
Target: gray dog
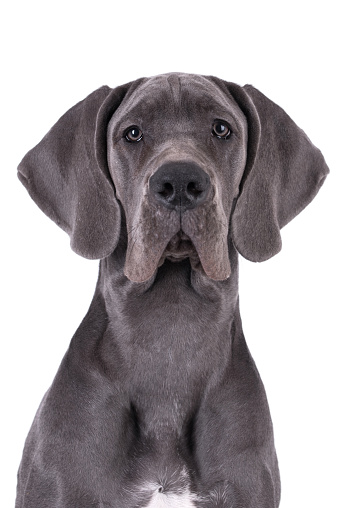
[157, 402]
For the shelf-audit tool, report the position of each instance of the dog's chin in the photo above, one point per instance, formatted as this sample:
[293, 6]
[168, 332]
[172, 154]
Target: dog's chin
[181, 247]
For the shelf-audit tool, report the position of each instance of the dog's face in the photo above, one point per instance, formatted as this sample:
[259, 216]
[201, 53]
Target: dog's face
[176, 154]
[194, 162]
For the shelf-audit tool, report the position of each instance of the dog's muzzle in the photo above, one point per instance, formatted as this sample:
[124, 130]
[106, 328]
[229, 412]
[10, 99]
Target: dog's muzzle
[181, 216]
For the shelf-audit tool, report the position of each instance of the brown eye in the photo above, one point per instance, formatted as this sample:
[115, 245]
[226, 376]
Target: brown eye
[221, 130]
[133, 134]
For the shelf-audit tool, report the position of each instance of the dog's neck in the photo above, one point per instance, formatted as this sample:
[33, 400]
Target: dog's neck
[169, 339]
[135, 310]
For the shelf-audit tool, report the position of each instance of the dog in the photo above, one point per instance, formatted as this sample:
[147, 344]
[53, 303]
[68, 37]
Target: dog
[158, 402]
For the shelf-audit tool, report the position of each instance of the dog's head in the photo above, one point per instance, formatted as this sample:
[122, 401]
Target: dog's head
[188, 160]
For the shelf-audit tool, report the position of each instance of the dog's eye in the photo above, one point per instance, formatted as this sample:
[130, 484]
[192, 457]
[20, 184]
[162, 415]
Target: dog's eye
[221, 130]
[133, 134]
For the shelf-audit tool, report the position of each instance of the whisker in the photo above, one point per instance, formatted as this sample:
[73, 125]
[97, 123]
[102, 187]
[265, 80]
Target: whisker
[133, 231]
[133, 228]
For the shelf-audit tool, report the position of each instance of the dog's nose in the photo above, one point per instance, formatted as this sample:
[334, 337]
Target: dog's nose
[180, 185]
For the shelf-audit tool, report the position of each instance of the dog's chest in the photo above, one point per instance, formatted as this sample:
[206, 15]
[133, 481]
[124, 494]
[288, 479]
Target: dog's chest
[163, 497]
[168, 486]
[170, 500]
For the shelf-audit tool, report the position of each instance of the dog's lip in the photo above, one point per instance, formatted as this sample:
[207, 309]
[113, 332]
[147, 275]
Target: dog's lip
[180, 247]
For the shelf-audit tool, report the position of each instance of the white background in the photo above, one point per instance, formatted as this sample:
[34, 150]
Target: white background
[56, 53]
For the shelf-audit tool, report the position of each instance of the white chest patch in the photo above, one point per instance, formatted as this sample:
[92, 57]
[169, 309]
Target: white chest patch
[171, 491]
[162, 500]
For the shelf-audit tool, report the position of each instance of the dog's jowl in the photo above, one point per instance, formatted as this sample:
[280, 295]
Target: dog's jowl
[157, 402]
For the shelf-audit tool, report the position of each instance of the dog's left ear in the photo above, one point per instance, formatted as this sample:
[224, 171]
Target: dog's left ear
[283, 173]
[67, 174]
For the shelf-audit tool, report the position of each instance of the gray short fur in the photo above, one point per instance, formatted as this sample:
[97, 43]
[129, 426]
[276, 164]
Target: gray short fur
[158, 386]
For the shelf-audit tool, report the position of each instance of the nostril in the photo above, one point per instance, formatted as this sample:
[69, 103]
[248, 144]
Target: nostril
[167, 190]
[193, 190]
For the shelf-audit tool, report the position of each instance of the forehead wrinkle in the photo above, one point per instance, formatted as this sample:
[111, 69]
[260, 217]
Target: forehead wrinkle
[156, 89]
[174, 83]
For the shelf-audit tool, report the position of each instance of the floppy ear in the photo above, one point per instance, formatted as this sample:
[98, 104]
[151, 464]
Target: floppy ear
[283, 173]
[67, 175]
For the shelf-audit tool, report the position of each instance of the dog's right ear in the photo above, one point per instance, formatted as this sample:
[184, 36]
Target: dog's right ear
[67, 174]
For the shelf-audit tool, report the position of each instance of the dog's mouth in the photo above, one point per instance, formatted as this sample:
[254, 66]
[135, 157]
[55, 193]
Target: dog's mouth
[181, 247]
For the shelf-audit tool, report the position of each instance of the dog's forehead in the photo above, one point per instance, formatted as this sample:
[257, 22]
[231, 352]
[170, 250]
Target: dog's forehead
[179, 87]
[179, 94]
